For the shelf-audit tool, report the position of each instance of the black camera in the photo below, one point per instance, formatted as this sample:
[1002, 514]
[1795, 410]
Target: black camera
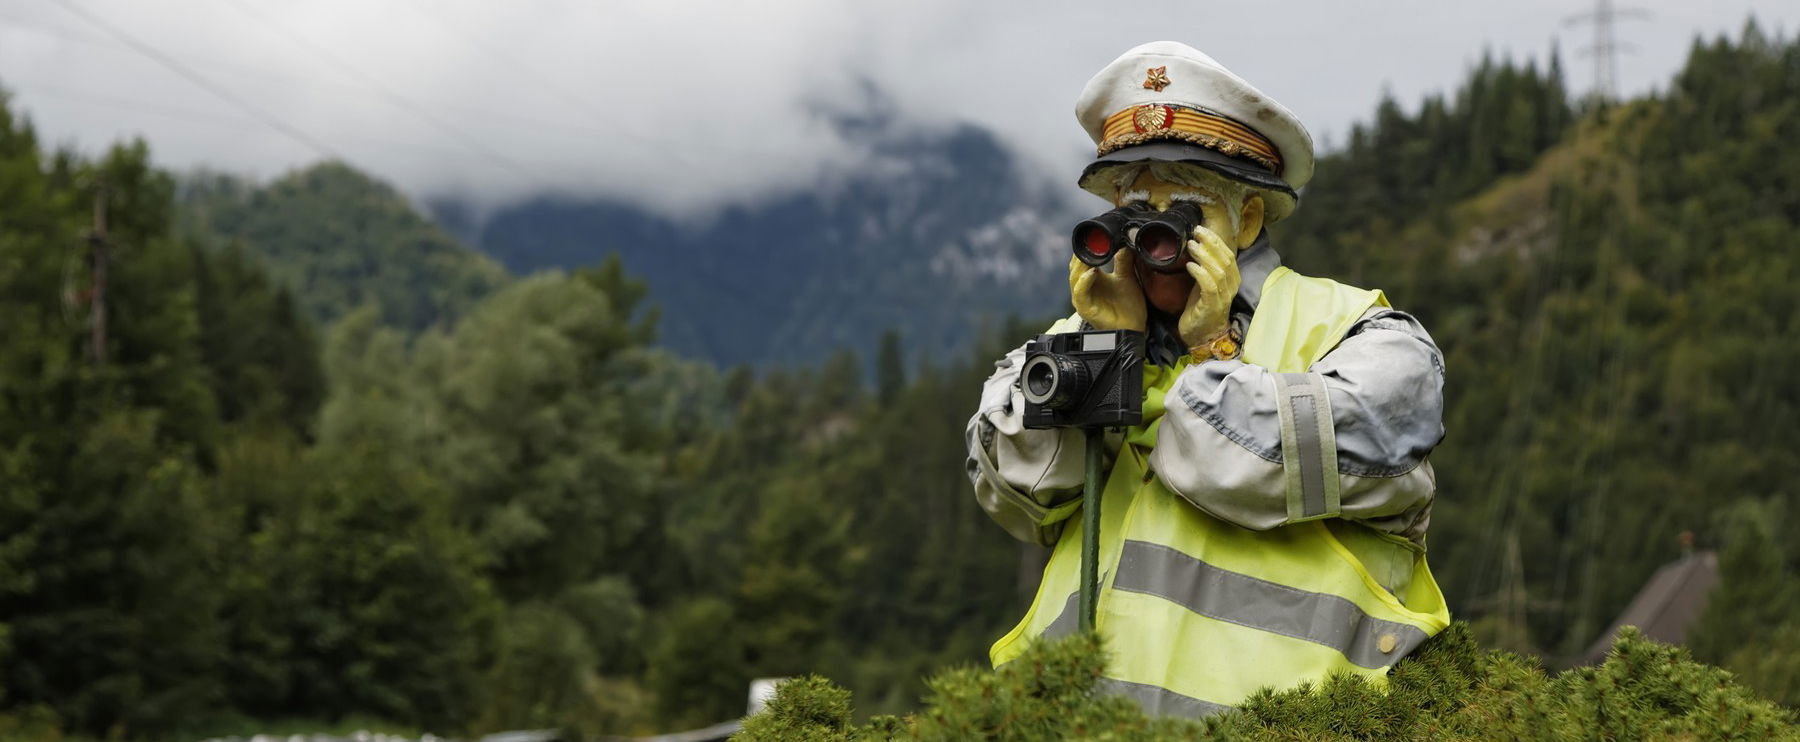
[1160, 238]
[1084, 380]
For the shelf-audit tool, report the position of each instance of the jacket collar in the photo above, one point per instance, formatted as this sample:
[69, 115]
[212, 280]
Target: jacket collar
[1255, 264]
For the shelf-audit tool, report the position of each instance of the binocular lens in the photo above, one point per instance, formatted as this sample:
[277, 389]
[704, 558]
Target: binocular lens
[1096, 239]
[1097, 242]
[1158, 244]
[1159, 238]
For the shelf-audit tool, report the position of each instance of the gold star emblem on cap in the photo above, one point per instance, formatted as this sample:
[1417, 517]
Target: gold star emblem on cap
[1156, 78]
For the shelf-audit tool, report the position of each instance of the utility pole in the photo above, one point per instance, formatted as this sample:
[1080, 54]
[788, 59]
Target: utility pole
[102, 254]
[1606, 47]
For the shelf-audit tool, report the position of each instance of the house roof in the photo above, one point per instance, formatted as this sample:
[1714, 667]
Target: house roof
[1666, 606]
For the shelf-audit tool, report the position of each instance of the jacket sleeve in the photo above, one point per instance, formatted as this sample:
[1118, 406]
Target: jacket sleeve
[1028, 481]
[1348, 439]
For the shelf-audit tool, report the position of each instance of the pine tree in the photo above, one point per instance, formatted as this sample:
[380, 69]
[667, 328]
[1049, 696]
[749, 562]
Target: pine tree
[109, 613]
[890, 367]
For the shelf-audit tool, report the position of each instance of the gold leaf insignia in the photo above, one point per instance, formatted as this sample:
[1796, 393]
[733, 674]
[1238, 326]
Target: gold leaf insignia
[1150, 118]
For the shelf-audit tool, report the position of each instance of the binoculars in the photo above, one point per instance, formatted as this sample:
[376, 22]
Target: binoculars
[1159, 236]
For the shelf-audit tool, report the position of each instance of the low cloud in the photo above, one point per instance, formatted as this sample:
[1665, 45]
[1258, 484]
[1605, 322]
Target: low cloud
[689, 106]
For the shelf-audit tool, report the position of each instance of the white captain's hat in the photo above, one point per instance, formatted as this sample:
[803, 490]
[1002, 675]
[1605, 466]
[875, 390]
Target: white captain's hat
[1167, 101]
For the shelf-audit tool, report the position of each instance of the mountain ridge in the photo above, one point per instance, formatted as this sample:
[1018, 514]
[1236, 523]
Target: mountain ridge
[956, 242]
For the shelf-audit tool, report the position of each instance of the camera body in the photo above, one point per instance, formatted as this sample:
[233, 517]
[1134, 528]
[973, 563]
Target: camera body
[1092, 379]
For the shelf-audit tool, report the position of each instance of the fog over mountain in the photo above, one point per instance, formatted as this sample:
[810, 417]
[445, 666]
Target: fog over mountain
[788, 178]
[945, 242]
[686, 108]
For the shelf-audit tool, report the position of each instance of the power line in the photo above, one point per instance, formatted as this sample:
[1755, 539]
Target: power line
[217, 65]
[336, 88]
[157, 55]
[212, 118]
[622, 127]
[189, 68]
[563, 93]
[392, 97]
[157, 109]
[191, 64]
[361, 85]
[31, 24]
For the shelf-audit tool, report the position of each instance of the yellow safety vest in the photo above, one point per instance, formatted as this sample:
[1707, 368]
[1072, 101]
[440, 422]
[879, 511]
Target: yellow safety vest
[1198, 613]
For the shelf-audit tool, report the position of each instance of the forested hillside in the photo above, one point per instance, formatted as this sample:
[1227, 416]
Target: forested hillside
[341, 240]
[467, 504]
[529, 517]
[1616, 316]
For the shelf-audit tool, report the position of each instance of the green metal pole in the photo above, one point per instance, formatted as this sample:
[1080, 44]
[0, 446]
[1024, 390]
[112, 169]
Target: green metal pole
[1090, 529]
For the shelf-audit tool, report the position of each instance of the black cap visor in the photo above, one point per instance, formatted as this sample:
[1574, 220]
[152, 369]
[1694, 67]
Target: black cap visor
[1241, 170]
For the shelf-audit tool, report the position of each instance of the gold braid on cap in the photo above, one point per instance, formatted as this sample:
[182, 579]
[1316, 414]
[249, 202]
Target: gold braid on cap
[1157, 121]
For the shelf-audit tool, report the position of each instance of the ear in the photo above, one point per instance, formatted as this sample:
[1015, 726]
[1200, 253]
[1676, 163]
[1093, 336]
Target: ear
[1250, 222]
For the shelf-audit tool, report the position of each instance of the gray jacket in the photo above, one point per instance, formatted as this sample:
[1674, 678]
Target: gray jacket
[1220, 443]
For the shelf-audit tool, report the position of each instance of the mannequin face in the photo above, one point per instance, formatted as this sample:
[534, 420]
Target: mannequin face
[1169, 292]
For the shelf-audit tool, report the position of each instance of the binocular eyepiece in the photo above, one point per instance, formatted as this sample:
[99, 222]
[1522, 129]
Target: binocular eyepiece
[1159, 238]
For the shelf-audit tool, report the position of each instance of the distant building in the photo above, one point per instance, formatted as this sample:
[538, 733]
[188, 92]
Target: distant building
[1667, 606]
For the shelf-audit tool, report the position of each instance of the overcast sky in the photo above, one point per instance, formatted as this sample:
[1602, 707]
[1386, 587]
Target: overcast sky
[695, 104]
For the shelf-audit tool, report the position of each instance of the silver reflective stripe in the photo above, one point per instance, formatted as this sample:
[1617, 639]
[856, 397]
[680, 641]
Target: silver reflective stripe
[1320, 618]
[1308, 447]
[1068, 621]
[1159, 701]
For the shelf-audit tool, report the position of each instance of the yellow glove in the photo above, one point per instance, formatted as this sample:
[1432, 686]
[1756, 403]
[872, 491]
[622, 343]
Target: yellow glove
[1108, 301]
[1213, 264]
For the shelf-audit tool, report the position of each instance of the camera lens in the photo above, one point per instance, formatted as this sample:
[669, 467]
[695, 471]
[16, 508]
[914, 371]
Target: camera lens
[1040, 379]
[1161, 241]
[1053, 380]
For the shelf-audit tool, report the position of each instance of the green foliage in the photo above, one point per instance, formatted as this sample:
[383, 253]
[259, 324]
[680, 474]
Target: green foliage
[170, 550]
[616, 623]
[342, 603]
[1610, 314]
[1449, 690]
[808, 709]
[1498, 122]
[478, 504]
[340, 240]
[515, 425]
[1750, 625]
[546, 673]
[698, 670]
[1772, 665]
[106, 612]
[1048, 693]
[1759, 588]
[890, 367]
[263, 354]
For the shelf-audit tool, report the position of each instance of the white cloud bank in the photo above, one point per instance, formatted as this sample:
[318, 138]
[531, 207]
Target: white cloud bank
[697, 104]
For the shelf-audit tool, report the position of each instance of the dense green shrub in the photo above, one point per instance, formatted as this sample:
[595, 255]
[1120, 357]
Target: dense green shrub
[1451, 690]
